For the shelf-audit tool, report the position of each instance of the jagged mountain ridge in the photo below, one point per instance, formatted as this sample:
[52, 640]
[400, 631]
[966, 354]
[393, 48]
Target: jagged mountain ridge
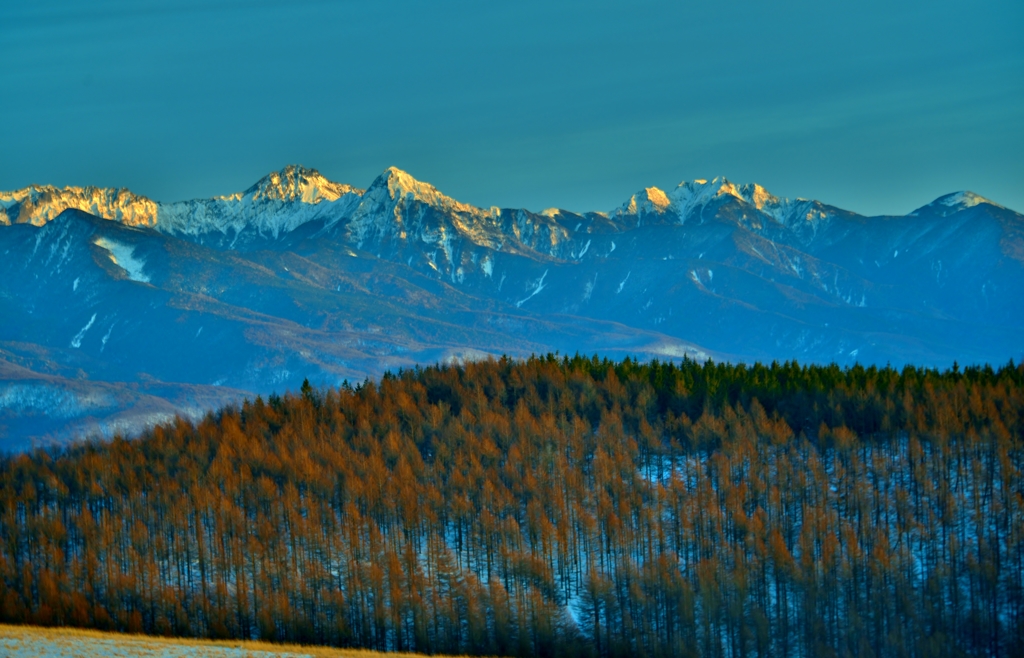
[272, 206]
[299, 276]
[390, 213]
[278, 202]
[283, 201]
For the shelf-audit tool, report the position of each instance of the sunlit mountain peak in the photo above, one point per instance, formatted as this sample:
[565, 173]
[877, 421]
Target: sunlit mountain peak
[955, 202]
[298, 183]
[647, 200]
[38, 204]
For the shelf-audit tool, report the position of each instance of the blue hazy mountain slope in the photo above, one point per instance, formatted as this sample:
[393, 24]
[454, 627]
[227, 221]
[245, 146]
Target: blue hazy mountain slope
[136, 308]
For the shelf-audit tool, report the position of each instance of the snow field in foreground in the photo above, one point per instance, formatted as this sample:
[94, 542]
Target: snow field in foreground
[90, 647]
[34, 642]
[97, 648]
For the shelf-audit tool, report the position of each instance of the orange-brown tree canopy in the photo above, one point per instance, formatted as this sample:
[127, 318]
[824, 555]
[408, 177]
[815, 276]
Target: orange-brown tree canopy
[546, 506]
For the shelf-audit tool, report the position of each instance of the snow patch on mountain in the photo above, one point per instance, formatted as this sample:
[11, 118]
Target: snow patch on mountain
[537, 286]
[123, 256]
[33, 397]
[622, 284]
[678, 351]
[76, 342]
[106, 337]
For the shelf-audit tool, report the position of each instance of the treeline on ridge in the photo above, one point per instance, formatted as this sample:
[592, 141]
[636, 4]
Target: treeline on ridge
[550, 506]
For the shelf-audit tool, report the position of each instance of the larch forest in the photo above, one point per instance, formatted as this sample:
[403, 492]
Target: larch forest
[552, 506]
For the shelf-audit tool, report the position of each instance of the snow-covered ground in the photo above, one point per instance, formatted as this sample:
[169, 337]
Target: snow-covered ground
[30, 642]
[91, 647]
[87, 647]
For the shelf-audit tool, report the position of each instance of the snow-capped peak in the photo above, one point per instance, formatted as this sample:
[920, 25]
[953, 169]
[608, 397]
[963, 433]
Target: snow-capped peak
[398, 207]
[401, 185]
[278, 203]
[690, 198]
[686, 197]
[692, 194]
[796, 213]
[700, 192]
[757, 196]
[395, 187]
[647, 200]
[955, 202]
[297, 183]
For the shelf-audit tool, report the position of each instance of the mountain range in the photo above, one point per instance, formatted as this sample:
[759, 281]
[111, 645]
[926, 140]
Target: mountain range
[120, 311]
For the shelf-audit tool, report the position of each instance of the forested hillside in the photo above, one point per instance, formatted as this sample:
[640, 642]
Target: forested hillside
[551, 506]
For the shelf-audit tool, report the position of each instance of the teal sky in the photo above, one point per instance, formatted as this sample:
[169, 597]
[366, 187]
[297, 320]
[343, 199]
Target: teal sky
[877, 107]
